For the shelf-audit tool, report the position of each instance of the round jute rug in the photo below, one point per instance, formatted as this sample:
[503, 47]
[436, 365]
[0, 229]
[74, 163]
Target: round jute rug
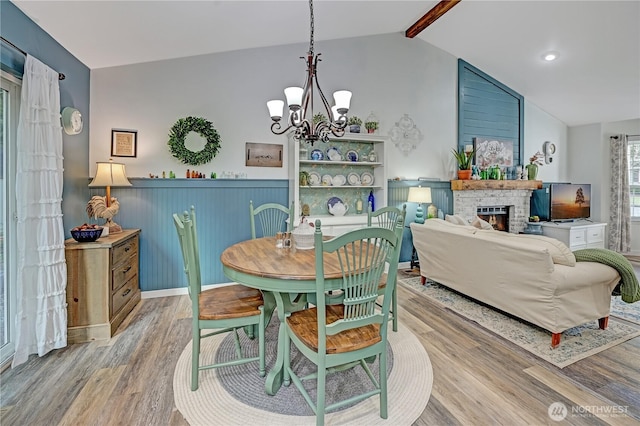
[409, 387]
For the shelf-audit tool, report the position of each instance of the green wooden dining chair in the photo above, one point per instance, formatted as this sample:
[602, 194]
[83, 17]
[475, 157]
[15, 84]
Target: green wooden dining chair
[388, 217]
[272, 217]
[225, 308]
[337, 337]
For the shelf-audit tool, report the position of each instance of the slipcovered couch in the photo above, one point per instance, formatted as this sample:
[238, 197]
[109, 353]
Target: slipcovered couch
[531, 277]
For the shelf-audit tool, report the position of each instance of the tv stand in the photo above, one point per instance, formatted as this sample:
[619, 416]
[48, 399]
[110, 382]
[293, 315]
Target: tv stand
[578, 234]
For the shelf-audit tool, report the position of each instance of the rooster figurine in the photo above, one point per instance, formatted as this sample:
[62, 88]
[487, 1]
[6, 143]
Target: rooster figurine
[98, 207]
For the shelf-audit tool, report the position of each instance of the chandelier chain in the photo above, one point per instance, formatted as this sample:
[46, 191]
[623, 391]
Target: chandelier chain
[311, 27]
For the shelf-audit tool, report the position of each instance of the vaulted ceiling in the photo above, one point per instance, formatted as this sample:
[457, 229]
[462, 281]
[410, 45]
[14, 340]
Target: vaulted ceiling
[595, 79]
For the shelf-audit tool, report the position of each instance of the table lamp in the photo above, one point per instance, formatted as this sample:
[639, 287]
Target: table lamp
[419, 195]
[108, 175]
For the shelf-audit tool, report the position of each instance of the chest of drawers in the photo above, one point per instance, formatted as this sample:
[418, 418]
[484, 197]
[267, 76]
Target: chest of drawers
[576, 235]
[102, 285]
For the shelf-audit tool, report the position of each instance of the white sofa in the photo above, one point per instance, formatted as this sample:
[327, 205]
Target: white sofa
[532, 277]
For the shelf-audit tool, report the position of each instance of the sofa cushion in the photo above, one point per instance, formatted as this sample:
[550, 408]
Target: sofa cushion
[560, 253]
[450, 226]
[455, 219]
[481, 224]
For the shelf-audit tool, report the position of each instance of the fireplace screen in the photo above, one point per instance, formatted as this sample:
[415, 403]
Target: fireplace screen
[497, 216]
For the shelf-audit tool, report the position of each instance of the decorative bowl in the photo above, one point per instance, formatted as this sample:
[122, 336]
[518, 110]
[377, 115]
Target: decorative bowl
[87, 235]
[303, 239]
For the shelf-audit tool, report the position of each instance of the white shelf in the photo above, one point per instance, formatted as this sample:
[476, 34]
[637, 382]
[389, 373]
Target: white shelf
[316, 196]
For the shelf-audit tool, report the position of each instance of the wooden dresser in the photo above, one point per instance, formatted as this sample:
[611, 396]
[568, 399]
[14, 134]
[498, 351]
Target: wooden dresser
[102, 285]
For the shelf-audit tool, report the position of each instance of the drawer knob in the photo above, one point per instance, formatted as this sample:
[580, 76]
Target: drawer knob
[126, 292]
[127, 269]
[127, 248]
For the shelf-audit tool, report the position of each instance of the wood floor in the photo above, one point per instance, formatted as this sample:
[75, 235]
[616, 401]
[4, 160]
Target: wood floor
[479, 379]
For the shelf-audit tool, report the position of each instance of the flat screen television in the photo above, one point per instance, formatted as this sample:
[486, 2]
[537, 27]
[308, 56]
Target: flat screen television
[569, 201]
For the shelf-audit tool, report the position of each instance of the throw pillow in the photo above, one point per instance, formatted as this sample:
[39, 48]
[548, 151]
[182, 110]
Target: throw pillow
[455, 219]
[481, 224]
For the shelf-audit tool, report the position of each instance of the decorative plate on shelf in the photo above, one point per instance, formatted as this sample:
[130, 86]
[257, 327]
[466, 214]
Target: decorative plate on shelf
[338, 180]
[333, 154]
[326, 180]
[317, 155]
[353, 179]
[366, 179]
[352, 155]
[333, 201]
[314, 179]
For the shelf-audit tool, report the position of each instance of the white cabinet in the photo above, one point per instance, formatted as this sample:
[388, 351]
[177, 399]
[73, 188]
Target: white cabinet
[348, 156]
[576, 235]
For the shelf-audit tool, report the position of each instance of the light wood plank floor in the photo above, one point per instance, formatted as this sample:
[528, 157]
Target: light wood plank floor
[479, 379]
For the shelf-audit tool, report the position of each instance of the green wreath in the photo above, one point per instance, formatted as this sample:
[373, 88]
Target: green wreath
[204, 128]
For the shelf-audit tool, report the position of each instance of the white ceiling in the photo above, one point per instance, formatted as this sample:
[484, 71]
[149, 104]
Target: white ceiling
[595, 80]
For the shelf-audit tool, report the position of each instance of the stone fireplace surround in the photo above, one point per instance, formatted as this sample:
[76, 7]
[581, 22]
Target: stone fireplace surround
[468, 195]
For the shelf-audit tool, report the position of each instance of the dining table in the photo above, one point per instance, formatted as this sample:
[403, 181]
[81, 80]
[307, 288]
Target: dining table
[285, 276]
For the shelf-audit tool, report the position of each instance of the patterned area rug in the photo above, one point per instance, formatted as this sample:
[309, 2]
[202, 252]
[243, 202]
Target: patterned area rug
[577, 343]
[409, 387]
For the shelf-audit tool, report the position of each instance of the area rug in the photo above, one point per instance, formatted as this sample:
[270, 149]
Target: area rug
[577, 343]
[409, 386]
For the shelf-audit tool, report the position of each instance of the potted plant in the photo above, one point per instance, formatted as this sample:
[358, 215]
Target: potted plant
[371, 126]
[304, 178]
[371, 123]
[464, 159]
[318, 118]
[354, 124]
[532, 167]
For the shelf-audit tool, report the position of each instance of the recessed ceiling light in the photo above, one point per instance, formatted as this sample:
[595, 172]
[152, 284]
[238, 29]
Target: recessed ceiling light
[550, 56]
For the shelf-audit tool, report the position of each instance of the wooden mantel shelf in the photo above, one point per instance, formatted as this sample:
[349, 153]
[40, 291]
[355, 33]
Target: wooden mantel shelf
[474, 185]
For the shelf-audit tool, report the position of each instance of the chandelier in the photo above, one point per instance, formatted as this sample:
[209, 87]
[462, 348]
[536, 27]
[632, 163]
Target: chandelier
[308, 126]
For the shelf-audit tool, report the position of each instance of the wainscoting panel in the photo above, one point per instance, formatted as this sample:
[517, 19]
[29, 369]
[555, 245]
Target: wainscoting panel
[398, 192]
[222, 208]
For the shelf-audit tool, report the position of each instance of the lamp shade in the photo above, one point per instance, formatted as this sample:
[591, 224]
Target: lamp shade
[275, 109]
[110, 174]
[419, 195]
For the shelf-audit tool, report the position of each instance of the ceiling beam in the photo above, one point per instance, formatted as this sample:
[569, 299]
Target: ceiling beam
[430, 17]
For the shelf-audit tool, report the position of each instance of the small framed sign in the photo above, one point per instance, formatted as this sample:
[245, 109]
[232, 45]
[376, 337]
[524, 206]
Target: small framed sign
[124, 143]
[263, 155]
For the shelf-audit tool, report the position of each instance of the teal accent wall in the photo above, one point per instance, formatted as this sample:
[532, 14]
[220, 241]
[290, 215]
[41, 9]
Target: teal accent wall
[222, 208]
[489, 109]
[74, 91]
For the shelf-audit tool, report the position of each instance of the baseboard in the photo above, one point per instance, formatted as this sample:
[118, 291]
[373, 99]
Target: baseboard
[151, 294]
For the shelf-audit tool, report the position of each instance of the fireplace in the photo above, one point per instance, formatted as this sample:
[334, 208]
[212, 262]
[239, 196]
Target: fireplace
[511, 195]
[497, 216]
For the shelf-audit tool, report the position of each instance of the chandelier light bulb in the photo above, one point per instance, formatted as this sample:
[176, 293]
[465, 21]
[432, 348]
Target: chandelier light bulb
[343, 100]
[294, 97]
[275, 109]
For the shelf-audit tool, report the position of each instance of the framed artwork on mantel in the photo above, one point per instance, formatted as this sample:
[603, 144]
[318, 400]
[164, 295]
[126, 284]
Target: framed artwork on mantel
[491, 152]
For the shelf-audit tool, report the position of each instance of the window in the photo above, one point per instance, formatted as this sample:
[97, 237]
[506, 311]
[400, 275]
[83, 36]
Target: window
[633, 162]
[9, 107]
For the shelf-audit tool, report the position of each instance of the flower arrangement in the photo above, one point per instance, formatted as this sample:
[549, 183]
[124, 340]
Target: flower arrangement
[537, 159]
[354, 120]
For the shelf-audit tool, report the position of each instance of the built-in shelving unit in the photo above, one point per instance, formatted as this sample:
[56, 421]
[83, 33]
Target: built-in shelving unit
[317, 195]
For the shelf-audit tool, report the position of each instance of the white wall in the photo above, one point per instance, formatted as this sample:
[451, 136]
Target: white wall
[540, 127]
[388, 74]
[590, 163]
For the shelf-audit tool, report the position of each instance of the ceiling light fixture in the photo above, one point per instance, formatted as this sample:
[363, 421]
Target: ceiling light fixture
[308, 126]
[550, 56]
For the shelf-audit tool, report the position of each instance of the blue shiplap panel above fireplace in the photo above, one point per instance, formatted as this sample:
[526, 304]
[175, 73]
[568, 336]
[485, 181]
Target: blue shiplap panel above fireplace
[488, 109]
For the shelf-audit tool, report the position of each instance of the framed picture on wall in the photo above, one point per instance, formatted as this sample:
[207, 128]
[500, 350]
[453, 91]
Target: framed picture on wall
[263, 155]
[491, 152]
[124, 143]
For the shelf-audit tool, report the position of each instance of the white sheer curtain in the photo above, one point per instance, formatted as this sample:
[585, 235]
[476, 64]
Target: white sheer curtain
[620, 217]
[41, 318]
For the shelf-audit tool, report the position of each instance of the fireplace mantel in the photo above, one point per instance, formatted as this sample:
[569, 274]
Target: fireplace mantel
[475, 185]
